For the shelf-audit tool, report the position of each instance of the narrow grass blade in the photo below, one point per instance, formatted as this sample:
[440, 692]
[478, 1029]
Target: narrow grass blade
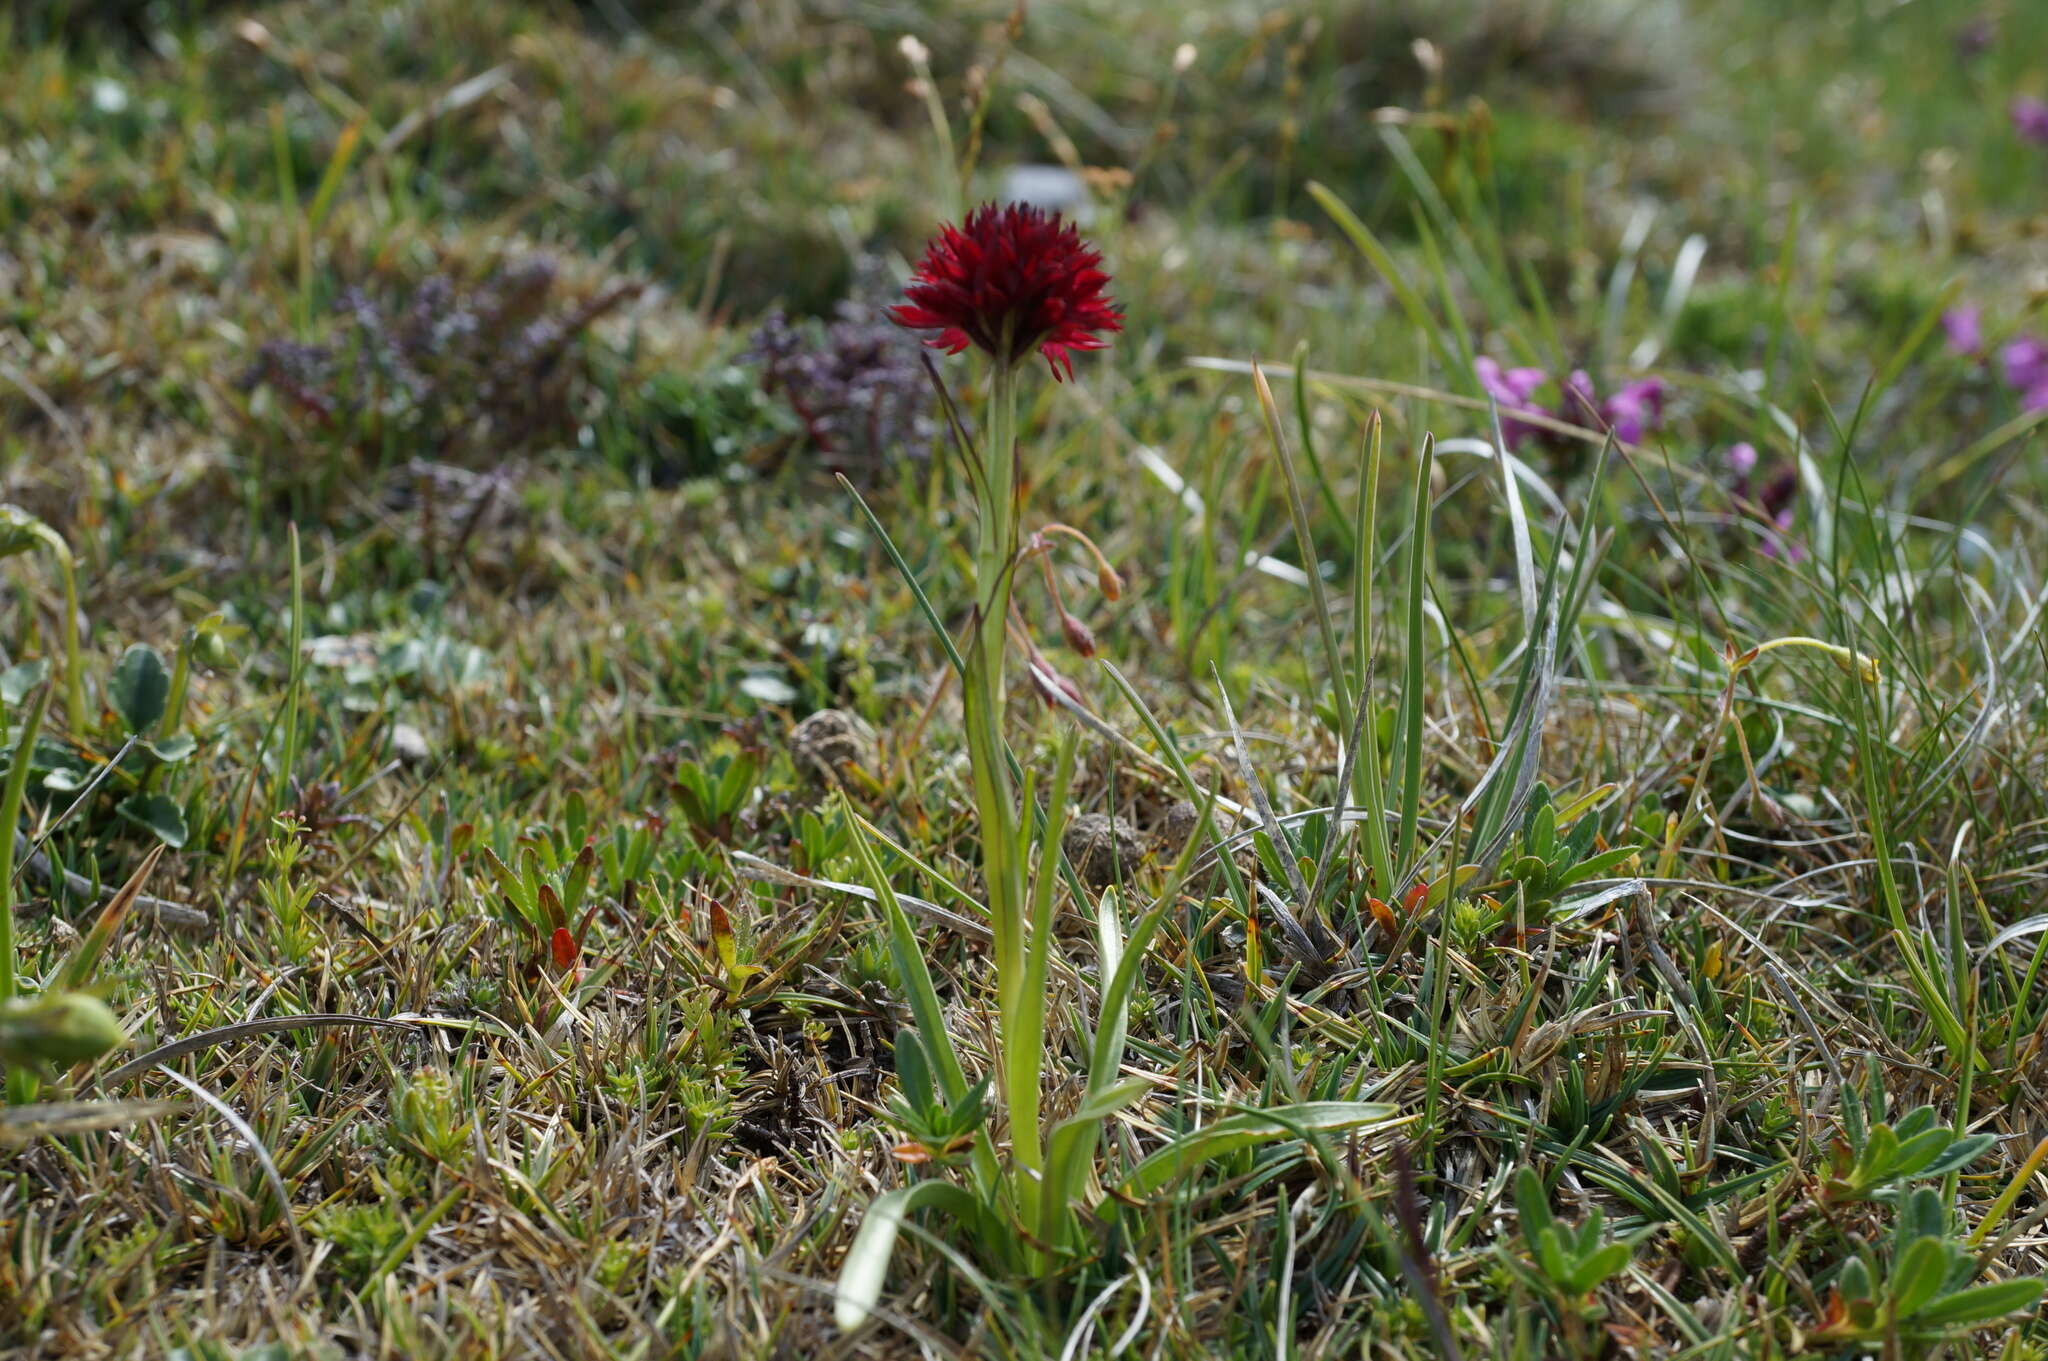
[1235, 1132]
[923, 997]
[1409, 725]
[866, 1267]
[1382, 261]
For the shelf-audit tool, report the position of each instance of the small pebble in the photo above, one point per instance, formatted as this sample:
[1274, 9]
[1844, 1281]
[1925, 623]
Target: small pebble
[829, 741]
[1101, 847]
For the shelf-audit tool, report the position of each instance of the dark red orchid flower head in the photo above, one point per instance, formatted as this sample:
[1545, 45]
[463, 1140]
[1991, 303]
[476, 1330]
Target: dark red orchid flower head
[1011, 279]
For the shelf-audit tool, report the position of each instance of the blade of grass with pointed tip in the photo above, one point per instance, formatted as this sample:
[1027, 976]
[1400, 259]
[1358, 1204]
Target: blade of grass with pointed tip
[1370, 793]
[1304, 536]
[1409, 728]
[1205, 800]
[1382, 261]
[1308, 443]
[25, 732]
[1232, 1133]
[866, 1267]
[925, 1007]
[86, 955]
[924, 604]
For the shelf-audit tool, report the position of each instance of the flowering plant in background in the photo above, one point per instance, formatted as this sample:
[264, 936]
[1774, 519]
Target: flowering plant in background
[854, 383]
[2022, 361]
[1514, 391]
[1773, 503]
[2025, 362]
[2030, 118]
[1964, 327]
[1632, 411]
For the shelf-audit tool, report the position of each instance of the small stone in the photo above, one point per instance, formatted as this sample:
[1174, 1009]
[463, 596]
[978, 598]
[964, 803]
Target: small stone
[1101, 847]
[409, 744]
[829, 741]
[1182, 821]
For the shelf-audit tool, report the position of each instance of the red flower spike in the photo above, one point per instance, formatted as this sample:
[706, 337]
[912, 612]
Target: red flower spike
[1011, 279]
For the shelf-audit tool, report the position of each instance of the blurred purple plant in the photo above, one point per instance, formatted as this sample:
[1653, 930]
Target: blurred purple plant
[2025, 361]
[856, 383]
[1974, 38]
[1964, 327]
[2030, 118]
[1773, 504]
[2022, 360]
[1514, 391]
[450, 364]
[1632, 411]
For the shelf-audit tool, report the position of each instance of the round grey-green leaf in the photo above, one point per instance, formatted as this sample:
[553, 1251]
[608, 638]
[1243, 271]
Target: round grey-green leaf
[158, 812]
[140, 687]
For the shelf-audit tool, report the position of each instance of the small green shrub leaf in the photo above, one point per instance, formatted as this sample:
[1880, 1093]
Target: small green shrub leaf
[159, 813]
[140, 687]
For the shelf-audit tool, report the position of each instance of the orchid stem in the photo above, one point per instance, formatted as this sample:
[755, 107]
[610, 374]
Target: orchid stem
[994, 793]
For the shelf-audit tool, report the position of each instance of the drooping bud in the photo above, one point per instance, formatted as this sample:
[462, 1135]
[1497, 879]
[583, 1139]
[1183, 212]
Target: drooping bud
[57, 1030]
[1079, 637]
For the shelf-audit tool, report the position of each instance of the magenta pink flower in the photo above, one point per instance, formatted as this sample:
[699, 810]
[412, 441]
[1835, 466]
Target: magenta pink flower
[1965, 329]
[1011, 279]
[2025, 361]
[1633, 411]
[2030, 118]
[1774, 504]
[1514, 391]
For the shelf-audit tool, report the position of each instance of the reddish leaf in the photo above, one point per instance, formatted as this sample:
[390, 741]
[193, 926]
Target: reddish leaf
[565, 948]
[721, 936]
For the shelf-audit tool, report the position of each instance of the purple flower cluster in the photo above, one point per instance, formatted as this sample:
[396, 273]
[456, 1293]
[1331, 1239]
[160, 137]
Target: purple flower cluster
[2023, 360]
[1632, 411]
[856, 383]
[1964, 327]
[2030, 118]
[1773, 502]
[481, 363]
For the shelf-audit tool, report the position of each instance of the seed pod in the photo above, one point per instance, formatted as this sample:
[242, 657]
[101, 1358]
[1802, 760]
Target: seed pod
[57, 1030]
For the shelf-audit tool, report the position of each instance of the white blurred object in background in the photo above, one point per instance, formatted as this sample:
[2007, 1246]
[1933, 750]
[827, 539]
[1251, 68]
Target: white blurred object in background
[1053, 188]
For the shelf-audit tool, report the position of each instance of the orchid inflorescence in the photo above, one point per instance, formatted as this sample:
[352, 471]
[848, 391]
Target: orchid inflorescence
[1010, 280]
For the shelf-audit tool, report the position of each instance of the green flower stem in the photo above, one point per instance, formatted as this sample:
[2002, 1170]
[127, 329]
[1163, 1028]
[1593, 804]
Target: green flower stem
[19, 533]
[1003, 852]
[30, 721]
[74, 674]
[74, 677]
